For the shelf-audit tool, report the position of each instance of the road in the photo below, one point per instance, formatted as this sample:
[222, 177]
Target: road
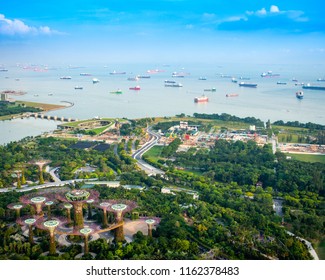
[308, 244]
[137, 155]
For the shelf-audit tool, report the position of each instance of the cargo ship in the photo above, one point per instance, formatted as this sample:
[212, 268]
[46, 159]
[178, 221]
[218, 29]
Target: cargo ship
[231, 95]
[95, 81]
[300, 95]
[233, 80]
[117, 73]
[169, 82]
[65, 78]
[243, 84]
[202, 78]
[203, 98]
[144, 76]
[133, 78]
[210, 89]
[309, 86]
[117, 92]
[78, 87]
[318, 80]
[85, 74]
[173, 85]
[269, 74]
[135, 88]
[281, 83]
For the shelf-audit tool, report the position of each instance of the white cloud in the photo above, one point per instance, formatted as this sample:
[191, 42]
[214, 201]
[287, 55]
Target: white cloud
[17, 27]
[261, 12]
[274, 9]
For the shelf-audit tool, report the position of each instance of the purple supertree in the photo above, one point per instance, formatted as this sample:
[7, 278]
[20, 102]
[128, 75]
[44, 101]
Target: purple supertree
[152, 221]
[85, 232]
[29, 221]
[37, 201]
[78, 198]
[119, 208]
[50, 226]
[16, 206]
[104, 205]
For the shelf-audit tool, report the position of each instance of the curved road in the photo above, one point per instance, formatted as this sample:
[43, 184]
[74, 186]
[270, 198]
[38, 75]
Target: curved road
[137, 155]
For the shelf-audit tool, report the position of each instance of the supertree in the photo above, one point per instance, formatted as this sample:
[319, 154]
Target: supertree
[86, 232]
[29, 221]
[17, 174]
[37, 201]
[49, 204]
[50, 226]
[41, 163]
[119, 208]
[104, 205]
[90, 202]
[150, 222]
[68, 207]
[77, 198]
[16, 206]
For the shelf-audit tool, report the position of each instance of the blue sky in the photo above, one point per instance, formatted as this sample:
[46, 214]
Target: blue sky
[162, 31]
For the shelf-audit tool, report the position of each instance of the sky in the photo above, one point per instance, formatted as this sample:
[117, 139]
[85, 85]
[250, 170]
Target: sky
[164, 31]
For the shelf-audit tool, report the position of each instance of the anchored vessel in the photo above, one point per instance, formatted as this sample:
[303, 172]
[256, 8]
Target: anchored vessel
[300, 95]
[203, 98]
[117, 91]
[95, 81]
[243, 84]
[309, 86]
[78, 87]
[65, 78]
[135, 88]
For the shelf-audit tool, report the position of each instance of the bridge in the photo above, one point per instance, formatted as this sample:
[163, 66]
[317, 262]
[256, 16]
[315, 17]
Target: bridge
[47, 117]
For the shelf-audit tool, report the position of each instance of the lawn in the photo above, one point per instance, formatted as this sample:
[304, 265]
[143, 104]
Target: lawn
[154, 153]
[307, 157]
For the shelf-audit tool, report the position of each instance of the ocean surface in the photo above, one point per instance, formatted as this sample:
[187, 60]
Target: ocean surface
[268, 101]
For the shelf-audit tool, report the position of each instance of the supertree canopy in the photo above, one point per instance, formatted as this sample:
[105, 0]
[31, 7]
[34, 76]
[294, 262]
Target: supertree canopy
[119, 208]
[37, 201]
[50, 226]
[77, 198]
[16, 206]
[29, 221]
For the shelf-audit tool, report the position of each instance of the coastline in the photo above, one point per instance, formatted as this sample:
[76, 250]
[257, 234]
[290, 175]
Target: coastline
[45, 107]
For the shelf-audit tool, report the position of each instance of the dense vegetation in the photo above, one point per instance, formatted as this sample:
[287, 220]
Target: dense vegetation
[227, 117]
[10, 108]
[232, 219]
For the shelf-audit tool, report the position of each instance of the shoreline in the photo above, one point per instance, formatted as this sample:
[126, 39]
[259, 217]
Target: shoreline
[45, 107]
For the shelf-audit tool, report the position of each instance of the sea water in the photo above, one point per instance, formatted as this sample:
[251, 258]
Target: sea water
[268, 101]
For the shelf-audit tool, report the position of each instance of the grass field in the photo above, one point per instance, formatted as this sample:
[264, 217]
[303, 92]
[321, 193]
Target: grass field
[42, 106]
[307, 157]
[154, 153]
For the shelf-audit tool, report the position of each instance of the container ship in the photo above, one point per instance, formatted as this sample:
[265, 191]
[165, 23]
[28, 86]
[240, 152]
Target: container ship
[85, 74]
[65, 78]
[309, 86]
[144, 76]
[78, 87]
[203, 98]
[300, 95]
[243, 84]
[281, 83]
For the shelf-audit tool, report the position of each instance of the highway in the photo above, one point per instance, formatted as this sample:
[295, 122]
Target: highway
[137, 155]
